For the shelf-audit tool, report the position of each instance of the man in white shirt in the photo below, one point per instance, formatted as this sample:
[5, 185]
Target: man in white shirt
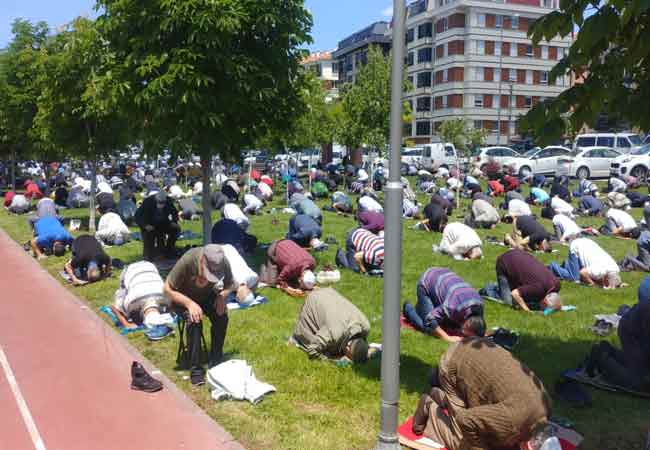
[367, 203]
[252, 204]
[233, 212]
[244, 277]
[559, 206]
[460, 242]
[620, 223]
[518, 208]
[588, 263]
[617, 185]
[177, 193]
[483, 215]
[111, 230]
[265, 191]
[565, 228]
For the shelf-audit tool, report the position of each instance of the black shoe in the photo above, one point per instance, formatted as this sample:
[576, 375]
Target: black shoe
[197, 376]
[142, 381]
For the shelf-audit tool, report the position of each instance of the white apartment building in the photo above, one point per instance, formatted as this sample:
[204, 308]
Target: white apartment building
[472, 59]
[325, 68]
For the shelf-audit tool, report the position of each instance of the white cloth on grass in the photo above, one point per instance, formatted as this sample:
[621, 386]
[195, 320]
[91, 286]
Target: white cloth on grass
[593, 258]
[235, 379]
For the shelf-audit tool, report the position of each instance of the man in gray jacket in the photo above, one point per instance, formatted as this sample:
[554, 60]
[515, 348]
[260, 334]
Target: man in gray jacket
[330, 326]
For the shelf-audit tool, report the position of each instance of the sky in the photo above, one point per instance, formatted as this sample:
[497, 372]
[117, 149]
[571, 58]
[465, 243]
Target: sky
[334, 20]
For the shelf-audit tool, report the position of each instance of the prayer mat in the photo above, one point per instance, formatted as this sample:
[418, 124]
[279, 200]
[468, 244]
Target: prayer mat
[600, 383]
[569, 439]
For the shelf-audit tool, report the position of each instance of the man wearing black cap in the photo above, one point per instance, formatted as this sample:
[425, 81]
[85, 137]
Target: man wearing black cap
[157, 218]
[199, 284]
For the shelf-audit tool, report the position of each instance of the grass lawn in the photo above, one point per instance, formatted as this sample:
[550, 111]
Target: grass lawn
[320, 406]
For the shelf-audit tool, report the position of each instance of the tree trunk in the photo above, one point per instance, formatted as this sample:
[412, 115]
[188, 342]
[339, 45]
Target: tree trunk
[206, 169]
[93, 189]
[326, 153]
[356, 157]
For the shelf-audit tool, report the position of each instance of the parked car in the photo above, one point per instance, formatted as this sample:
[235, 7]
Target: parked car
[502, 155]
[412, 155]
[623, 142]
[590, 162]
[309, 158]
[542, 161]
[636, 163]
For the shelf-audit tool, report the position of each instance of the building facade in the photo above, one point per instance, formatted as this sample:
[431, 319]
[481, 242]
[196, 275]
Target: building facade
[472, 59]
[325, 68]
[352, 52]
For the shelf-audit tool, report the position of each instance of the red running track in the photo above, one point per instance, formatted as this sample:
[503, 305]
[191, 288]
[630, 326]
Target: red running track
[72, 376]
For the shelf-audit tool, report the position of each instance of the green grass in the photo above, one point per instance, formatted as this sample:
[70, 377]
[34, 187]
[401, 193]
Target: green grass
[321, 406]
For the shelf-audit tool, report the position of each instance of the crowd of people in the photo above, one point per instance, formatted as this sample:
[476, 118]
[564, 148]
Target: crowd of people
[489, 398]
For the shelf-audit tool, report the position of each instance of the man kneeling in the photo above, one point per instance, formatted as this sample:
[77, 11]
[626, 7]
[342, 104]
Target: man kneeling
[140, 298]
[484, 398]
[330, 326]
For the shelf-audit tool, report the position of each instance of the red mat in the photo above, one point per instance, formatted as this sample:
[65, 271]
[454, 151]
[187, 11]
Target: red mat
[568, 438]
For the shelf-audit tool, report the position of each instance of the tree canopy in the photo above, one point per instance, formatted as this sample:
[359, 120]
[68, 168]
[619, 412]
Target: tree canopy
[610, 59]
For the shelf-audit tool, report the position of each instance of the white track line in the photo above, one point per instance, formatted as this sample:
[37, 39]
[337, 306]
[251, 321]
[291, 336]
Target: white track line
[20, 401]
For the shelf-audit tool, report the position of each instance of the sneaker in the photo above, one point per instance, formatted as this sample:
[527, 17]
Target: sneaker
[197, 376]
[142, 381]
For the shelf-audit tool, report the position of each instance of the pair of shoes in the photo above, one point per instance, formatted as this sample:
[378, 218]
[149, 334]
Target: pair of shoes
[142, 381]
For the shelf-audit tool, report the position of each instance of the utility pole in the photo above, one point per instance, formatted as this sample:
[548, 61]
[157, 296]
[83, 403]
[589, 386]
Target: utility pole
[387, 439]
[500, 43]
[510, 111]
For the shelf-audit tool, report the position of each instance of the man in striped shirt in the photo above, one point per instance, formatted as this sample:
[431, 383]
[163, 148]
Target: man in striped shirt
[447, 306]
[364, 251]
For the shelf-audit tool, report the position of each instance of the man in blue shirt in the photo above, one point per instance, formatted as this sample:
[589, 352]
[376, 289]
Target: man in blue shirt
[49, 236]
[590, 205]
[446, 304]
[304, 231]
[539, 196]
[226, 231]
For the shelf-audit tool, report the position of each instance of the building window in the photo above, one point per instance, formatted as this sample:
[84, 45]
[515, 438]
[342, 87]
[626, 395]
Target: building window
[547, 3]
[478, 124]
[496, 101]
[544, 52]
[497, 48]
[513, 50]
[512, 76]
[424, 79]
[425, 54]
[515, 22]
[445, 75]
[335, 67]
[528, 101]
[497, 74]
[422, 128]
[445, 24]
[480, 20]
[499, 21]
[423, 104]
[560, 53]
[480, 47]
[445, 50]
[479, 74]
[529, 77]
[348, 63]
[444, 101]
[543, 77]
[559, 81]
[410, 35]
[425, 30]
[478, 101]
[529, 51]
[409, 59]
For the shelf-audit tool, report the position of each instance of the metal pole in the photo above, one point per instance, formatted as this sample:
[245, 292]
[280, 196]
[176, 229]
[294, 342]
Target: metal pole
[387, 439]
[500, 81]
[510, 111]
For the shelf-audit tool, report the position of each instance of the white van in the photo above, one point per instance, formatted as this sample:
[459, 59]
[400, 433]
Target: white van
[622, 142]
[439, 155]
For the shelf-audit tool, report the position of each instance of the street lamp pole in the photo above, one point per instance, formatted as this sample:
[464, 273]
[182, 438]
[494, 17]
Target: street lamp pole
[510, 110]
[500, 82]
[387, 439]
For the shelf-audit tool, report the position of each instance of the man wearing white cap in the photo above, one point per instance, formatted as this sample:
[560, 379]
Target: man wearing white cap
[199, 284]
